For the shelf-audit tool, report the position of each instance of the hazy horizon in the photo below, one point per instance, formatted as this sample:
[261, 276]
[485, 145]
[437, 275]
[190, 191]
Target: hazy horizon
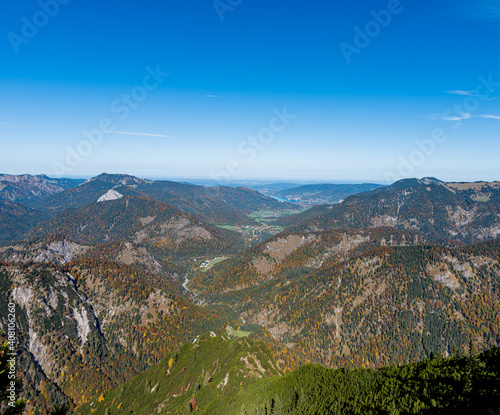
[234, 182]
[326, 92]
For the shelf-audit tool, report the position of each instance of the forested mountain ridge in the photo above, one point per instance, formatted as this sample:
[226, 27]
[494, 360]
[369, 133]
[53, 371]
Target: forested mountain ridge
[386, 305]
[289, 251]
[17, 220]
[118, 179]
[216, 205]
[164, 230]
[450, 213]
[25, 188]
[86, 193]
[325, 193]
[216, 375]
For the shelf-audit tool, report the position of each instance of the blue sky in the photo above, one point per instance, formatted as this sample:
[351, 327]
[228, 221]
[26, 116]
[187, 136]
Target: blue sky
[369, 91]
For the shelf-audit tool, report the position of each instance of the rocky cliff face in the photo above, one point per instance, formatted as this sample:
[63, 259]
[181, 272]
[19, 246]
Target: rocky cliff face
[86, 323]
[26, 188]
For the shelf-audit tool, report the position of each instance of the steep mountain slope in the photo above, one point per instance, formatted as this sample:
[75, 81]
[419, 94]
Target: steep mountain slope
[219, 205]
[164, 230]
[16, 221]
[24, 188]
[92, 323]
[317, 194]
[196, 201]
[297, 253]
[384, 306]
[246, 200]
[193, 378]
[53, 248]
[220, 376]
[443, 212]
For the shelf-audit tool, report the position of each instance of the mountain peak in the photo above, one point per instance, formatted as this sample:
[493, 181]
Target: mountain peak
[118, 179]
[410, 182]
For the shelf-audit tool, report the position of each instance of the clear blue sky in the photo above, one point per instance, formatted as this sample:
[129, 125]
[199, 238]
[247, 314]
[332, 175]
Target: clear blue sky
[360, 101]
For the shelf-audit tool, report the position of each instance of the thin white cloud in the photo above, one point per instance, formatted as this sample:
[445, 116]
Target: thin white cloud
[457, 117]
[143, 134]
[462, 92]
[212, 96]
[446, 117]
[460, 117]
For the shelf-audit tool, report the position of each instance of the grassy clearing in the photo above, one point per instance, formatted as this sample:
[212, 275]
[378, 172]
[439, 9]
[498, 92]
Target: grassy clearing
[228, 227]
[481, 198]
[237, 333]
[264, 216]
[216, 261]
[213, 262]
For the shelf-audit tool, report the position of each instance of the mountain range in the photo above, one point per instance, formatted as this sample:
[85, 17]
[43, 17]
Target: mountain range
[452, 213]
[117, 281]
[314, 194]
[26, 187]
[27, 200]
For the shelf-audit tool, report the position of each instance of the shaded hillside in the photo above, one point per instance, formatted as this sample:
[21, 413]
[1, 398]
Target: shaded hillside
[247, 200]
[318, 194]
[220, 205]
[215, 375]
[388, 305]
[196, 201]
[443, 212]
[16, 221]
[165, 230]
[25, 187]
